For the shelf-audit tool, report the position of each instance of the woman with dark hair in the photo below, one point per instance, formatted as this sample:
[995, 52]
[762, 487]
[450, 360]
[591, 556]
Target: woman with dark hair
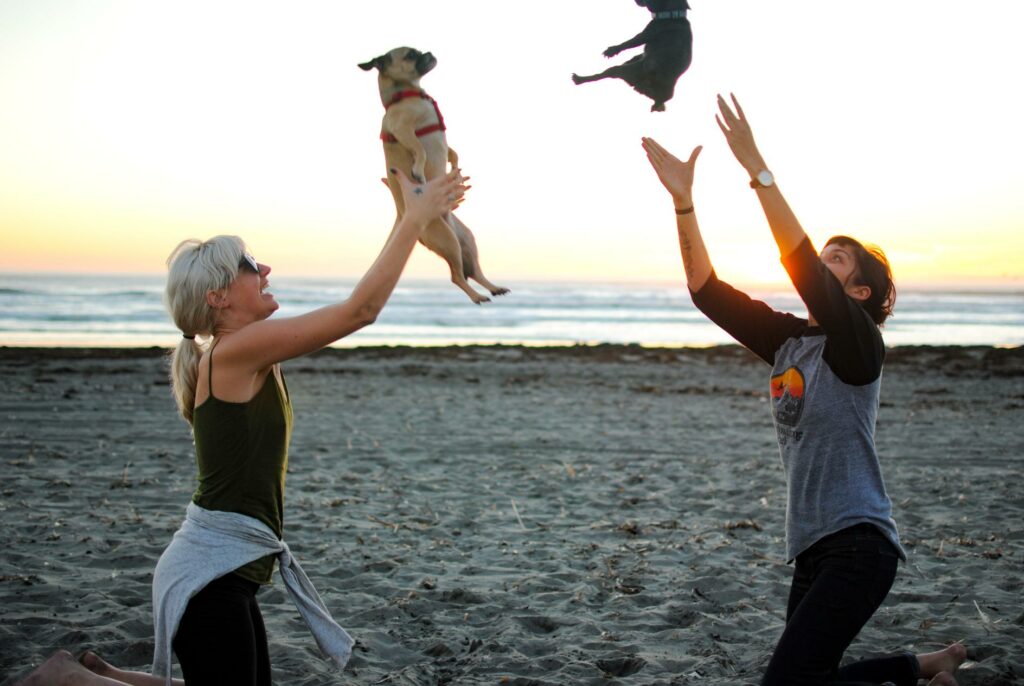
[825, 381]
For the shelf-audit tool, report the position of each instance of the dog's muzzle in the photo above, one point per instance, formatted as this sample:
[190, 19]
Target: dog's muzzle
[425, 63]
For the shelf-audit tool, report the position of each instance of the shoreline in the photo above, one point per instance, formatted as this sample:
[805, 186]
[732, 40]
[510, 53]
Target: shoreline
[134, 350]
[996, 360]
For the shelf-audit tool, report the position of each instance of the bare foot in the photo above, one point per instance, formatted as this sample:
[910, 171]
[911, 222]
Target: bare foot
[944, 661]
[943, 679]
[95, 664]
[58, 669]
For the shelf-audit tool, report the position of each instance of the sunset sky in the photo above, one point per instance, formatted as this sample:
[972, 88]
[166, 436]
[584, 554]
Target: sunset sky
[127, 126]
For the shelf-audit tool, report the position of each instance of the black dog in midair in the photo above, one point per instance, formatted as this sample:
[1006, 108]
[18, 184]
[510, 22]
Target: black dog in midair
[668, 46]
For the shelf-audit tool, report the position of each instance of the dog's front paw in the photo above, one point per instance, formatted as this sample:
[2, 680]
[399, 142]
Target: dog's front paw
[577, 79]
[612, 51]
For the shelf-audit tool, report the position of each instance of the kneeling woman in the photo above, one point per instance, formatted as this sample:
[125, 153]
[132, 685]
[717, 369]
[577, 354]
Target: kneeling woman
[825, 385]
[231, 390]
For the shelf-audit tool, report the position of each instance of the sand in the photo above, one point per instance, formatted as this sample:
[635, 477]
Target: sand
[506, 515]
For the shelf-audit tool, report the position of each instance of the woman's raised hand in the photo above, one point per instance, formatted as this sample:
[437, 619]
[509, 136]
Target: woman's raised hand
[675, 175]
[739, 136]
[435, 198]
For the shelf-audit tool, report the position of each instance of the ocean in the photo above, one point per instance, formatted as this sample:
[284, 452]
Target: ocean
[126, 311]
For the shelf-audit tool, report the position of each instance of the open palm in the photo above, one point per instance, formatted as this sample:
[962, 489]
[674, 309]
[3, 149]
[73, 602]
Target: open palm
[675, 175]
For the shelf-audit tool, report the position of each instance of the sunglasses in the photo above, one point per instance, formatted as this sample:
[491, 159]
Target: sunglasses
[249, 262]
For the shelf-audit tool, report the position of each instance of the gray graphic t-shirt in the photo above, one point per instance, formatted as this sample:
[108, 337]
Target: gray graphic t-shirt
[824, 387]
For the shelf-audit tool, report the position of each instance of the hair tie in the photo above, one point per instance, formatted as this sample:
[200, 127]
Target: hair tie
[187, 337]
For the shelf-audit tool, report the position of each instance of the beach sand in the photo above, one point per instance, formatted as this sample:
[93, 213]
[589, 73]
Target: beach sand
[507, 515]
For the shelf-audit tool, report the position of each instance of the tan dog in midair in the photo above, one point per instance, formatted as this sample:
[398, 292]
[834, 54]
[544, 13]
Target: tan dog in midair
[413, 133]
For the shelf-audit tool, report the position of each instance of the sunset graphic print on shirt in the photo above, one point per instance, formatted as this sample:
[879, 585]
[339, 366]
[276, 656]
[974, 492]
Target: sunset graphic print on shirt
[788, 396]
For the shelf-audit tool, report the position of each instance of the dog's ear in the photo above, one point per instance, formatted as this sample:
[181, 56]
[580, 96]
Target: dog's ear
[379, 62]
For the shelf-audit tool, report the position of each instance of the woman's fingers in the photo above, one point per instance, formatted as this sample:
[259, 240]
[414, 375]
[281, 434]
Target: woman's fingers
[434, 198]
[694, 154]
[727, 115]
[739, 110]
[455, 186]
[731, 122]
[667, 157]
[722, 126]
[658, 155]
[454, 189]
[674, 174]
[653, 146]
[655, 153]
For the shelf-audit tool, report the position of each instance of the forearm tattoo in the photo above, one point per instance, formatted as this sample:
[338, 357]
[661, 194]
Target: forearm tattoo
[687, 246]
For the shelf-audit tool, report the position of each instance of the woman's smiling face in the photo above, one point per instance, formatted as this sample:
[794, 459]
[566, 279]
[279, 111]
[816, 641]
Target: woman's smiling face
[248, 294]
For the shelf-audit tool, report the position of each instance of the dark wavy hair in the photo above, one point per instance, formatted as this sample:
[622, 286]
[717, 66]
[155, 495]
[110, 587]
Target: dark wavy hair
[873, 271]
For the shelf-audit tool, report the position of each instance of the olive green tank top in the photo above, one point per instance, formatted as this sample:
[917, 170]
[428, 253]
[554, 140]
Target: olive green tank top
[242, 454]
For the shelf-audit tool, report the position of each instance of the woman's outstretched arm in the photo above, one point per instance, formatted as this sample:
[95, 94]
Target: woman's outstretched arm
[677, 177]
[267, 342]
[750, 322]
[784, 225]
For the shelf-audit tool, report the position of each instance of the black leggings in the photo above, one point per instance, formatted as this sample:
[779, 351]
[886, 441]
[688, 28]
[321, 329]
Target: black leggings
[838, 584]
[221, 640]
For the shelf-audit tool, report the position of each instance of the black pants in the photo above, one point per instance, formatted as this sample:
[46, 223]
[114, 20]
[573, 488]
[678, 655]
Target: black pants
[838, 584]
[221, 640]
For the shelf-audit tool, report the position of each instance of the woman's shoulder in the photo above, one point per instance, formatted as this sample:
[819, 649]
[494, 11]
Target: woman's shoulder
[228, 374]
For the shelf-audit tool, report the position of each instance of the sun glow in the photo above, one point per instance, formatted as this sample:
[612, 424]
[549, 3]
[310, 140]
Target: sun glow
[127, 127]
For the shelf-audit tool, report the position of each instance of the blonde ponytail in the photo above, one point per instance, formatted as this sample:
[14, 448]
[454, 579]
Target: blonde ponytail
[184, 374]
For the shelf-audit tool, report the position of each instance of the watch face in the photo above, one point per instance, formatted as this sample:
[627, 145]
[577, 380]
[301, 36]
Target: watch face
[765, 178]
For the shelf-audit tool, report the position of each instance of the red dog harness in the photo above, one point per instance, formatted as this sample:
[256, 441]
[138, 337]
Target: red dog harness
[402, 95]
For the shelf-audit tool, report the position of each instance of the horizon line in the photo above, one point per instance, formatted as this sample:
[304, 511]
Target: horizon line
[1002, 284]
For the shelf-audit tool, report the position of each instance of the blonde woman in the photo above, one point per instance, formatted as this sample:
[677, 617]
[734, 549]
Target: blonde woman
[229, 387]
[233, 393]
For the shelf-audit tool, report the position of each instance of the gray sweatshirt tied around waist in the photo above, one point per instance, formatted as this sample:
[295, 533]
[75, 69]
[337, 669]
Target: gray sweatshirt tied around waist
[209, 545]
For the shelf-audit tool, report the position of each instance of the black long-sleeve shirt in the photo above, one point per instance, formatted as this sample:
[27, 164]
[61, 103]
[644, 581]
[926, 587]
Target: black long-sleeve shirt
[824, 386]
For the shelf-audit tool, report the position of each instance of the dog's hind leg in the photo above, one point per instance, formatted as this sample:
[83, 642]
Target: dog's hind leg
[628, 71]
[471, 257]
[440, 238]
[577, 79]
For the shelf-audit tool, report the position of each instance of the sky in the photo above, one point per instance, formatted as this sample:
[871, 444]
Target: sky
[127, 126]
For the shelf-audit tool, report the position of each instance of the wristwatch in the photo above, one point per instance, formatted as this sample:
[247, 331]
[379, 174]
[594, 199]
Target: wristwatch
[763, 179]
